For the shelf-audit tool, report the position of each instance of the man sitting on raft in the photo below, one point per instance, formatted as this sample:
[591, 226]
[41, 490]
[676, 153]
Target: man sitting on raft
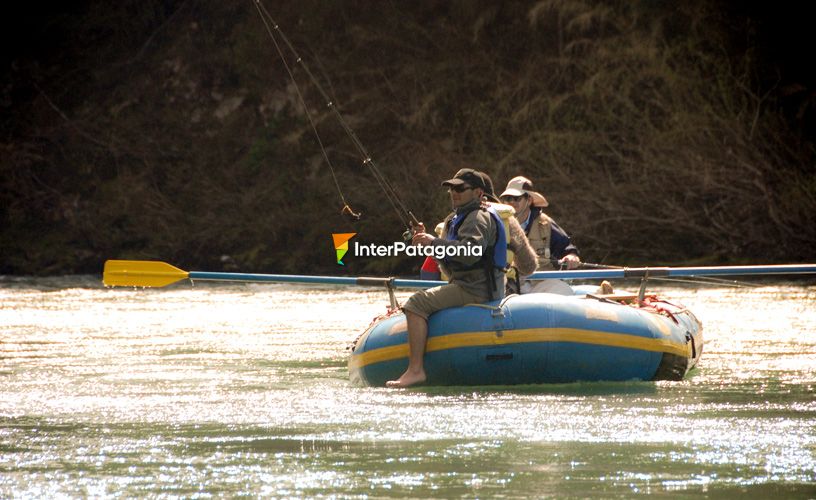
[474, 276]
[521, 257]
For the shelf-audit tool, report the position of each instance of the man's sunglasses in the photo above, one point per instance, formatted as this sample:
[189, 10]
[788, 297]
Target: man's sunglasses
[508, 198]
[461, 188]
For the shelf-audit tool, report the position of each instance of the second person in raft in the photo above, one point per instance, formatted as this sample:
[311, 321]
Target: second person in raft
[550, 242]
[472, 278]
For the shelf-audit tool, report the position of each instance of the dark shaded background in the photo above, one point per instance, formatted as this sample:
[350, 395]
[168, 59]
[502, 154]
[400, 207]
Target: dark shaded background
[661, 132]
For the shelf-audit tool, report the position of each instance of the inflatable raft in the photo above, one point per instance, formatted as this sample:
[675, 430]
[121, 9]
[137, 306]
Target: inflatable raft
[538, 338]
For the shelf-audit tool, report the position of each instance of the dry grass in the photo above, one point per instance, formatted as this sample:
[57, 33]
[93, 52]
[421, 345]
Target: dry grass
[643, 126]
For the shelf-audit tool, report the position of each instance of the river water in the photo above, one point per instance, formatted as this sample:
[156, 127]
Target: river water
[238, 389]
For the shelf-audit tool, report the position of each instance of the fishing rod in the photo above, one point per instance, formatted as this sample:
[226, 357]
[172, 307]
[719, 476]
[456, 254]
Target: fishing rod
[405, 215]
[702, 280]
[663, 272]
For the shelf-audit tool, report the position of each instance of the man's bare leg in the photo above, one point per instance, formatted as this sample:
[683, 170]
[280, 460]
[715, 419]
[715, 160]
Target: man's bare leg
[417, 336]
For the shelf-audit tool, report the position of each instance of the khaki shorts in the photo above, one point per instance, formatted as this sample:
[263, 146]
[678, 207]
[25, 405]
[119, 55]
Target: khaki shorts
[427, 302]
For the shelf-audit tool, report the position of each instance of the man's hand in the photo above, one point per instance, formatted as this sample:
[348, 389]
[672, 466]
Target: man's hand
[419, 227]
[571, 260]
[422, 238]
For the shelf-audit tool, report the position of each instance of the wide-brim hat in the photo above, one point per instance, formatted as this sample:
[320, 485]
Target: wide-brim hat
[519, 186]
[464, 175]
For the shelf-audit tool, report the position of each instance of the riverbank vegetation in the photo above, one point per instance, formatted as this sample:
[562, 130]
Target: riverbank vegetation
[660, 131]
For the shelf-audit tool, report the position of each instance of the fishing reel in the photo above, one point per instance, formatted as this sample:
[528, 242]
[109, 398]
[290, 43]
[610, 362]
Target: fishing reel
[416, 227]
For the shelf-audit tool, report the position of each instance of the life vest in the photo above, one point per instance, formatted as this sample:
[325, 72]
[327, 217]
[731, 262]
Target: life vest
[504, 212]
[539, 232]
[499, 248]
[494, 257]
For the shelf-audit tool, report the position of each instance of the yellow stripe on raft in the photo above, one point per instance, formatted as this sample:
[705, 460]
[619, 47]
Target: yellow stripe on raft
[486, 339]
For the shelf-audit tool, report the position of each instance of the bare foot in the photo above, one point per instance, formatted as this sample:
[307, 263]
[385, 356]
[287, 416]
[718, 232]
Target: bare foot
[408, 379]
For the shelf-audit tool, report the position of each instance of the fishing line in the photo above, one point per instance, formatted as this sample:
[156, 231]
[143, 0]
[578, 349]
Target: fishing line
[346, 208]
[406, 216]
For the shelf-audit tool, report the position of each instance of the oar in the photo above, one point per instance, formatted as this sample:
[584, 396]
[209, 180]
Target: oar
[157, 274]
[146, 273]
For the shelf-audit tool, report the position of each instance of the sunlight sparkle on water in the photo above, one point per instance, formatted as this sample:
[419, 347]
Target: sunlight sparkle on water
[243, 390]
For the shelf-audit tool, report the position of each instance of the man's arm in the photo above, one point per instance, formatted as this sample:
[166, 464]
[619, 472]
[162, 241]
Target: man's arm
[560, 243]
[525, 259]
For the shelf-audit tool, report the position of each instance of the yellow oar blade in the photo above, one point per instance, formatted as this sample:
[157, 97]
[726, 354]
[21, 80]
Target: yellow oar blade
[141, 273]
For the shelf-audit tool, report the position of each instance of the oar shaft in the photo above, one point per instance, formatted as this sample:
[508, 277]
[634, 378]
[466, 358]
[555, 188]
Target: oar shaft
[158, 274]
[325, 280]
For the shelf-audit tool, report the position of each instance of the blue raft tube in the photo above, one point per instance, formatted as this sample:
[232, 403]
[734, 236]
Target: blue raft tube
[538, 338]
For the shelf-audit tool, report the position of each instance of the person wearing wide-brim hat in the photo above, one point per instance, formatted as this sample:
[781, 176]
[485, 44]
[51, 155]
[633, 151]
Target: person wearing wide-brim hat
[551, 243]
[524, 259]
